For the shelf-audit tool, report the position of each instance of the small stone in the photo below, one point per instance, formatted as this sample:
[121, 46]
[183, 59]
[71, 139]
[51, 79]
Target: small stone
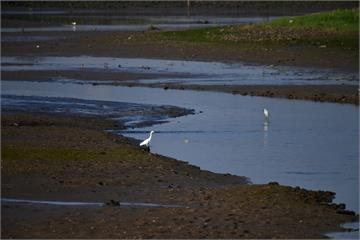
[273, 183]
[113, 203]
[345, 212]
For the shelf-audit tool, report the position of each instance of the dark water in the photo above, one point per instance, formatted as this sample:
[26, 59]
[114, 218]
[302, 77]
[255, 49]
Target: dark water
[188, 72]
[307, 144]
[353, 232]
[58, 22]
[83, 204]
[33, 38]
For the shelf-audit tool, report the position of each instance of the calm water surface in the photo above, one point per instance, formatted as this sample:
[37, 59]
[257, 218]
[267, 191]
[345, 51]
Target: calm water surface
[201, 73]
[122, 23]
[306, 144]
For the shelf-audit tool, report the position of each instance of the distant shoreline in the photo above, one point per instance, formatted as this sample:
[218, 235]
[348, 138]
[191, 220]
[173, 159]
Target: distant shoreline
[166, 8]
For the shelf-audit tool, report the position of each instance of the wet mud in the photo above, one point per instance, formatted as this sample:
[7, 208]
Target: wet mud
[46, 157]
[119, 44]
[123, 113]
[317, 93]
[65, 156]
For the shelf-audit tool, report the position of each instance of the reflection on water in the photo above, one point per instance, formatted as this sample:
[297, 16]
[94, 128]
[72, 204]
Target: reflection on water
[228, 134]
[108, 22]
[79, 204]
[353, 232]
[34, 38]
[185, 72]
[123, 28]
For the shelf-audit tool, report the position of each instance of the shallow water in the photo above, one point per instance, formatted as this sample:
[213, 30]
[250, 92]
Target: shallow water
[123, 28]
[32, 38]
[122, 23]
[307, 144]
[188, 72]
[353, 232]
[79, 204]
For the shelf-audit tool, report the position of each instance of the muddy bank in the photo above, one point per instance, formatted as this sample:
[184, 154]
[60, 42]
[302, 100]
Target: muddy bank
[147, 45]
[152, 45]
[124, 114]
[322, 93]
[135, 45]
[318, 93]
[47, 157]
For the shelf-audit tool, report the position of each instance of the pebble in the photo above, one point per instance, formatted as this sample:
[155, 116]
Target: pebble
[113, 203]
[273, 183]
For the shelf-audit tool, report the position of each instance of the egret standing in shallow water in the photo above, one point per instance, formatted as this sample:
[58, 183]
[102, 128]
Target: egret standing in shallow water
[267, 115]
[146, 142]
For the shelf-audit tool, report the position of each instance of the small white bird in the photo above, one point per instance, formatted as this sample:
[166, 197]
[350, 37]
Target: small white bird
[73, 23]
[146, 142]
[266, 114]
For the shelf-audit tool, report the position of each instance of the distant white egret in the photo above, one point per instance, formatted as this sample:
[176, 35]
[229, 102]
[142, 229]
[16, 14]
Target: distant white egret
[266, 114]
[146, 142]
[73, 23]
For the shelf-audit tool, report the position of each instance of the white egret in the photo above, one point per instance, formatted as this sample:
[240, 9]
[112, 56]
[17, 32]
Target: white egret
[146, 142]
[73, 23]
[266, 114]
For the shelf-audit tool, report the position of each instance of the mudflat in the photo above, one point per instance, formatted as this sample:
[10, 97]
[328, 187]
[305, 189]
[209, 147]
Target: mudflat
[63, 158]
[68, 158]
[151, 44]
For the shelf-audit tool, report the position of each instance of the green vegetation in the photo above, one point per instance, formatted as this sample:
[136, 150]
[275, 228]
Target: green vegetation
[337, 28]
[338, 20]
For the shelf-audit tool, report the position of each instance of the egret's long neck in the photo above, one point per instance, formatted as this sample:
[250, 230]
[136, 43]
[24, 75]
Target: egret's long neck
[150, 135]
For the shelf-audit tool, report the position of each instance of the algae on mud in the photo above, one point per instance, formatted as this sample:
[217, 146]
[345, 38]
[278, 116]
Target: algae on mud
[46, 157]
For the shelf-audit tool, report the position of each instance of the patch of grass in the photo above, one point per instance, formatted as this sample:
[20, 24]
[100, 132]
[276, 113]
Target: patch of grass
[337, 28]
[338, 20]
